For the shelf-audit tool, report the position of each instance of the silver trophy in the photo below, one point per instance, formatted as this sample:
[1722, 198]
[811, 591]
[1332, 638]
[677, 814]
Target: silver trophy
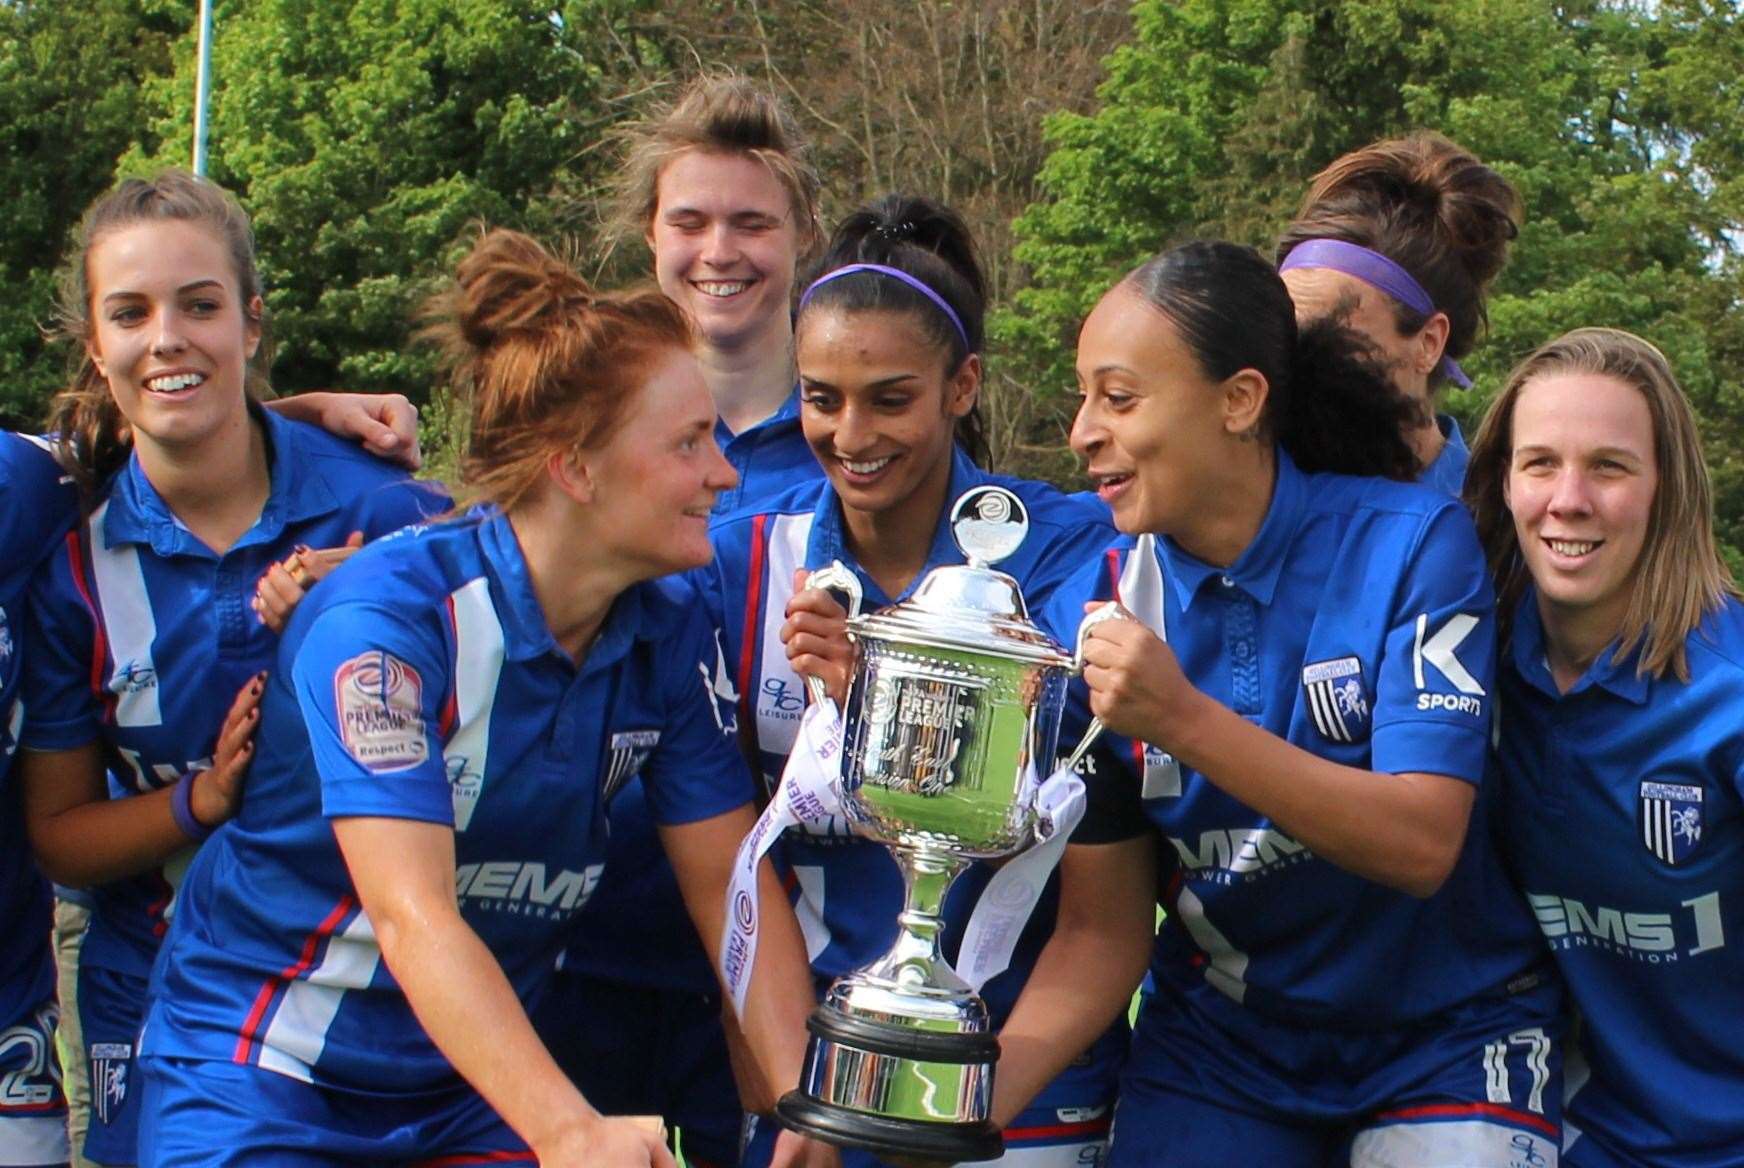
[952, 715]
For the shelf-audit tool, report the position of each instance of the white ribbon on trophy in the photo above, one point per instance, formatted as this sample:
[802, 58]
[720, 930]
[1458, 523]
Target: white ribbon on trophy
[1010, 897]
[805, 795]
[1141, 591]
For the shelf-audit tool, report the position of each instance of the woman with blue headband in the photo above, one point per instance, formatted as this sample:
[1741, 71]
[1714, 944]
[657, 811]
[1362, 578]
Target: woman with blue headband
[888, 341]
[1400, 241]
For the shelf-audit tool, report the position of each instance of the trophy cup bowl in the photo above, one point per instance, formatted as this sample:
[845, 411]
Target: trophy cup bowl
[952, 710]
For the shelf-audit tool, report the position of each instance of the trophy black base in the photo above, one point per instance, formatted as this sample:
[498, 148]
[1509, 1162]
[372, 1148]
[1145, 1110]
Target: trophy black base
[847, 1059]
[884, 1135]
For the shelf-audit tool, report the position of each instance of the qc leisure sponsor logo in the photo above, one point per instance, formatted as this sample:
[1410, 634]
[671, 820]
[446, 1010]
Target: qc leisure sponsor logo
[525, 887]
[381, 711]
[133, 677]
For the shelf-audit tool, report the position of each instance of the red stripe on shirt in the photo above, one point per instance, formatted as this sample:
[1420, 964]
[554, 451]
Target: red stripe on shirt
[451, 704]
[249, 1039]
[504, 1157]
[99, 642]
[1088, 1129]
[748, 650]
[1433, 1111]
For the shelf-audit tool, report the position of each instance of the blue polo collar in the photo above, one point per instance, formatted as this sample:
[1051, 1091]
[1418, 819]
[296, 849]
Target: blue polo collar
[787, 412]
[298, 491]
[828, 540]
[526, 634]
[1607, 672]
[1257, 569]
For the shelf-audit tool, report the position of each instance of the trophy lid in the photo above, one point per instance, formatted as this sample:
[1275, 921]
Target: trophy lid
[972, 606]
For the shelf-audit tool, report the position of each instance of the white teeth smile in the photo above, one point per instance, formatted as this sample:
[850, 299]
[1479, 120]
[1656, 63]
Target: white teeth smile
[722, 287]
[1571, 547]
[172, 384]
[872, 467]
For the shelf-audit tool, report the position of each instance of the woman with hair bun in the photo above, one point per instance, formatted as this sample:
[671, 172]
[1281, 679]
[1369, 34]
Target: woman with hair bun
[1343, 974]
[347, 974]
[888, 342]
[1621, 747]
[1400, 241]
[141, 630]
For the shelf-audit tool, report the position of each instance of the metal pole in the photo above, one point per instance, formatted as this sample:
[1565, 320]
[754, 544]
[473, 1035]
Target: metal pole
[203, 86]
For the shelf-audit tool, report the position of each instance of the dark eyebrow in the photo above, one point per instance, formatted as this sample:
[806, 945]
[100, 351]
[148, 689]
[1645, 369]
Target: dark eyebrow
[884, 383]
[1114, 369]
[126, 294]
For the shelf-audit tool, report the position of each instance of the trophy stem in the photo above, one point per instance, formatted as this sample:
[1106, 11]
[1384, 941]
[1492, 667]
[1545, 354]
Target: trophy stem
[917, 959]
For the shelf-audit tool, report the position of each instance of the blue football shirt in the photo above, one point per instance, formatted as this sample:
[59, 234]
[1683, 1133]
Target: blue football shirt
[421, 682]
[1623, 818]
[141, 636]
[1359, 626]
[635, 929]
[37, 506]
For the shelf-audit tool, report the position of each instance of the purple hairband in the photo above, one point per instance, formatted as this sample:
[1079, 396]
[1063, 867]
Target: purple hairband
[896, 274]
[1376, 270]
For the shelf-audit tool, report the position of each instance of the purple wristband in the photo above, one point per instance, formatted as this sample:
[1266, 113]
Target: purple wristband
[182, 809]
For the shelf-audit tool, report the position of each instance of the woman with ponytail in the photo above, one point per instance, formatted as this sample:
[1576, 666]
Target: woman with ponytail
[888, 341]
[1298, 723]
[142, 630]
[351, 961]
[1400, 241]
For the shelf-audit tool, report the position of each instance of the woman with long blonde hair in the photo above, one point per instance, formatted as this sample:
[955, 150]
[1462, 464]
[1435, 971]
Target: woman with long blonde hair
[1622, 739]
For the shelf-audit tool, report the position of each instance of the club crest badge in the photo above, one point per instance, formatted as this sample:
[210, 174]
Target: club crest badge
[1671, 820]
[629, 750]
[109, 1062]
[1338, 704]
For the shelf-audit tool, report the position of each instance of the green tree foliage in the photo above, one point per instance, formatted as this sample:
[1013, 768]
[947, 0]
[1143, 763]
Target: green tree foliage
[364, 137]
[1621, 127]
[69, 106]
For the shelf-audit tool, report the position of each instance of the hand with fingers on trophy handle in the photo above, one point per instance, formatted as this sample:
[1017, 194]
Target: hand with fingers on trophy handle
[953, 701]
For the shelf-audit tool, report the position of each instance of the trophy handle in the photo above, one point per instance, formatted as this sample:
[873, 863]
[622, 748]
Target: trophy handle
[835, 578]
[1113, 610]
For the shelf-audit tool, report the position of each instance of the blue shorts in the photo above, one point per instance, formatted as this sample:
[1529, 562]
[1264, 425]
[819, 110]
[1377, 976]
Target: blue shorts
[33, 1108]
[1065, 1126]
[1479, 1086]
[634, 1050]
[111, 1009]
[206, 1114]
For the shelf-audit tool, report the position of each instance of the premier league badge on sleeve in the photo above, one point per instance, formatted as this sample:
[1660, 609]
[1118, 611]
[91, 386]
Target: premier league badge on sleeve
[1671, 820]
[381, 711]
[1337, 702]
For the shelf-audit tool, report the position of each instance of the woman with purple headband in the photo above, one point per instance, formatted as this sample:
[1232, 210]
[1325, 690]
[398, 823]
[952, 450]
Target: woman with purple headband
[888, 344]
[1401, 241]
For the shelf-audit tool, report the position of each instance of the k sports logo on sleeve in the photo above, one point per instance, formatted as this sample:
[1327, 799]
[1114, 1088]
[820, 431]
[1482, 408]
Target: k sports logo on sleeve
[1440, 651]
[722, 696]
[381, 711]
